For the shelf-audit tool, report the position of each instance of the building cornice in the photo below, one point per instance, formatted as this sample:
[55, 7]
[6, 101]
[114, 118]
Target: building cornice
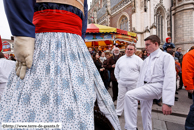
[182, 7]
[119, 7]
[182, 4]
[182, 43]
[141, 32]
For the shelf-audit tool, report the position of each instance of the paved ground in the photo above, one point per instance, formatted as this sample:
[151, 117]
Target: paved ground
[175, 121]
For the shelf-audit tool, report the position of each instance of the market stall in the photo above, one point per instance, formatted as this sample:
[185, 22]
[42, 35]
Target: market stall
[105, 37]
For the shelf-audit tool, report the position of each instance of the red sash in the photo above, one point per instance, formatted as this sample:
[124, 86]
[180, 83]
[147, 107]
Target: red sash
[57, 21]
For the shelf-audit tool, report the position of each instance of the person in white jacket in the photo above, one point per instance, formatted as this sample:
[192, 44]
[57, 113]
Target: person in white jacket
[6, 66]
[126, 72]
[157, 79]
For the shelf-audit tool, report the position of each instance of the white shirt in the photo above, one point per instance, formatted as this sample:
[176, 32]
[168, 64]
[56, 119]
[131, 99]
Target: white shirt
[127, 69]
[151, 61]
[162, 76]
[6, 66]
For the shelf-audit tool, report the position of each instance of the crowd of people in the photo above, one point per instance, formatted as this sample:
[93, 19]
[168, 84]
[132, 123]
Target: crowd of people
[101, 59]
[123, 71]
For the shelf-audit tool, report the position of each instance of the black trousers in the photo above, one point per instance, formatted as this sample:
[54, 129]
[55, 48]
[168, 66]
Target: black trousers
[115, 90]
[189, 123]
[181, 81]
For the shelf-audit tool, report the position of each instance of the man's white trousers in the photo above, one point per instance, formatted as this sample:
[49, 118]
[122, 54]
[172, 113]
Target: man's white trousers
[145, 94]
[123, 89]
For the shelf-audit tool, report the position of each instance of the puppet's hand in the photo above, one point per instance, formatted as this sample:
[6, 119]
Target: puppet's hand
[23, 50]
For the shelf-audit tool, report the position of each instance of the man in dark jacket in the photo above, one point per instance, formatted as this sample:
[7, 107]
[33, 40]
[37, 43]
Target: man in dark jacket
[111, 66]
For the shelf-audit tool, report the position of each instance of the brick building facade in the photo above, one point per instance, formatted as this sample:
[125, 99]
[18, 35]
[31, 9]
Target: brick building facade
[114, 13]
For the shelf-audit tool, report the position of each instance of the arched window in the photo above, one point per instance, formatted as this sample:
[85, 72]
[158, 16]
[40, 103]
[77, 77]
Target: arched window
[160, 24]
[124, 23]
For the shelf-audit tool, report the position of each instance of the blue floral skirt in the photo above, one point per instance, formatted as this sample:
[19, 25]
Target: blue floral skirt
[61, 86]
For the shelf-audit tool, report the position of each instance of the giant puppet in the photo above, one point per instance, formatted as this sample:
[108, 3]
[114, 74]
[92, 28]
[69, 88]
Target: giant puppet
[55, 78]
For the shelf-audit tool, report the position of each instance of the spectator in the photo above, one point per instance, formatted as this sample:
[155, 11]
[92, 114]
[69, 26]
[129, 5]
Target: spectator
[6, 66]
[144, 54]
[139, 53]
[169, 48]
[179, 55]
[102, 57]
[99, 65]
[107, 54]
[111, 66]
[188, 80]
[126, 72]
[167, 44]
[189, 94]
[107, 81]
[178, 69]
[91, 51]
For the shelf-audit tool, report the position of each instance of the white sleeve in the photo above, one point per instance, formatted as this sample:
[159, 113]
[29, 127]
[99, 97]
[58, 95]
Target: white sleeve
[169, 83]
[140, 64]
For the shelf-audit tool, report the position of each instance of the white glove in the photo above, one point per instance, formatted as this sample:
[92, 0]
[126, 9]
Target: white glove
[23, 50]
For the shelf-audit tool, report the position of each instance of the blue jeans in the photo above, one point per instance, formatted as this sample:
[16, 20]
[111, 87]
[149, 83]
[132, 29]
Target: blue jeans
[189, 124]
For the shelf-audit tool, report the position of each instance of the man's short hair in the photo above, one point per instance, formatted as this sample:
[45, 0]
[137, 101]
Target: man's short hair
[153, 38]
[1, 55]
[131, 45]
[191, 48]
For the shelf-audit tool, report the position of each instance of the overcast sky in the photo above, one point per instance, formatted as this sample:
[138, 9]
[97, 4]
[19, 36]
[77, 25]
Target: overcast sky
[4, 27]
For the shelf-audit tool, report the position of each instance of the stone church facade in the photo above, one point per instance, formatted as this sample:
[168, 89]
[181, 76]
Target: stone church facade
[164, 18]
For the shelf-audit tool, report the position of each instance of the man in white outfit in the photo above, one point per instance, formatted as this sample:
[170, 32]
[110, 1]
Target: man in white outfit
[157, 79]
[6, 66]
[126, 72]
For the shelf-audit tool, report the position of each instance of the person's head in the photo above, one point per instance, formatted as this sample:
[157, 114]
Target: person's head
[152, 43]
[102, 54]
[168, 40]
[1, 55]
[191, 48]
[12, 58]
[130, 50]
[171, 52]
[107, 55]
[116, 51]
[144, 52]
[179, 49]
[169, 48]
[123, 53]
[90, 49]
[96, 56]
[139, 53]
